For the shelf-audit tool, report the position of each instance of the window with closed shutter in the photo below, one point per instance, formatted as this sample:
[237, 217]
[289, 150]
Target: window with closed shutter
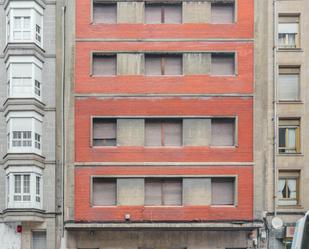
[163, 132]
[223, 131]
[222, 13]
[104, 132]
[39, 240]
[289, 83]
[104, 12]
[163, 64]
[222, 191]
[104, 192]
[104, 65]
[222, 64]
[163, 13]
[163, 192]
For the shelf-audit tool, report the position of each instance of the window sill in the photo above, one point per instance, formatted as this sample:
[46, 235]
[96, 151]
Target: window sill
[290, 154]
[290, 102]
[291, 207]
[279, 49]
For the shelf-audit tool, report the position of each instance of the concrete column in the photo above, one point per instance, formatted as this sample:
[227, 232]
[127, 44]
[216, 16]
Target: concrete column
[196, 63]
[196, 191]
[196, 12]
[129, 63]
[130, 12]
[196, 132]
[130, 132]
[130, 191]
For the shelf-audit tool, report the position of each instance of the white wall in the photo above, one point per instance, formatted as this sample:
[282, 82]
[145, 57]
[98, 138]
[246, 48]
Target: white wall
[9, 238]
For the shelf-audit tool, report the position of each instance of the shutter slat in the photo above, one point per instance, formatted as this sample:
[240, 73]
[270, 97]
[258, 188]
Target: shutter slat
[173, 13]
[173, 65]
[172, 192]
[222, 64]
[153, 14]
[153, 192]
[104, 129]
[222, 13]
[223, 132]
[153, 133]
[222, 191]
[153, 65]
[104, 192]
[104, 65]
[172, 133]
[104, 13]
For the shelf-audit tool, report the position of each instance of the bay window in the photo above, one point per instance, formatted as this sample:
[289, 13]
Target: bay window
[24, 22]
[24, 187]
[24, 77]
[24, 132]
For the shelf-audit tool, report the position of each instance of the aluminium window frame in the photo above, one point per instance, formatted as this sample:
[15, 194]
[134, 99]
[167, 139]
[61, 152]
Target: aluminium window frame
[36, 14]
[33, 172]
[298, 143]
[297, 35]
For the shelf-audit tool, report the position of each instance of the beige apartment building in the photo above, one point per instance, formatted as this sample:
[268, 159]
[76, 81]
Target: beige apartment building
[281, 101]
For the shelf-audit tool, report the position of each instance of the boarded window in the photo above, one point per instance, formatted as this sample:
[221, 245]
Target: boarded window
[163, 132]
[222, 13]
[222, 64]
[223, 132]
[163, 13]
[222, 191]
[104, 65]
[163, 64]
[160, 192]
[104, 12]
[288, 83]
[104, 192]
[39, 240]
[104, 132]
[289, 136]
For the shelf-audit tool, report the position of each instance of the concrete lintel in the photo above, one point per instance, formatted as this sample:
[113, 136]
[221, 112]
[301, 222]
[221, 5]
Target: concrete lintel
[244, 225]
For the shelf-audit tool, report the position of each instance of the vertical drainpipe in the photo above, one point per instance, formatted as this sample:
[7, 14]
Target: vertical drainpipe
[63, 124]
[275, 120]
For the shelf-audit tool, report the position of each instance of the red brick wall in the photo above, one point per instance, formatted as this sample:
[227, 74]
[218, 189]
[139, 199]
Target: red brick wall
[240, 107]
[84, 211]
[243, 28]
[241, 83]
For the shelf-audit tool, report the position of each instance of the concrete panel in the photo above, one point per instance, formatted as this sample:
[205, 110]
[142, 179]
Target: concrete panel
[130, 132]
[196, 63]
[196, 191]
[129, 64]
[130, 191]
[196, 12]
[196, 132]
[130, 12]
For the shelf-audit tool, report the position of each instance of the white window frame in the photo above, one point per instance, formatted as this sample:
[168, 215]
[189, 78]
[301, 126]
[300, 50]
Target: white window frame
[36, 66]
[35, 199]
[36, 130]
[22, 9]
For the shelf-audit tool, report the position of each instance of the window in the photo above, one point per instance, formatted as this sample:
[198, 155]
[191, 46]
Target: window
[163, 64]
[24, 187]
[222, 64]
[222, 13]
[163, 13]
[288, 32]
[104, 12]
[163, 192]
[104, 65]
[223, 191]
[289, 83]
[223, 132]
[104, 192]
[104, 132]
[39, 240]
[24, 77]
[24, 23]
[24, 133]
[165, 132]
[288, 188]
[289, 136]
[21, 28]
